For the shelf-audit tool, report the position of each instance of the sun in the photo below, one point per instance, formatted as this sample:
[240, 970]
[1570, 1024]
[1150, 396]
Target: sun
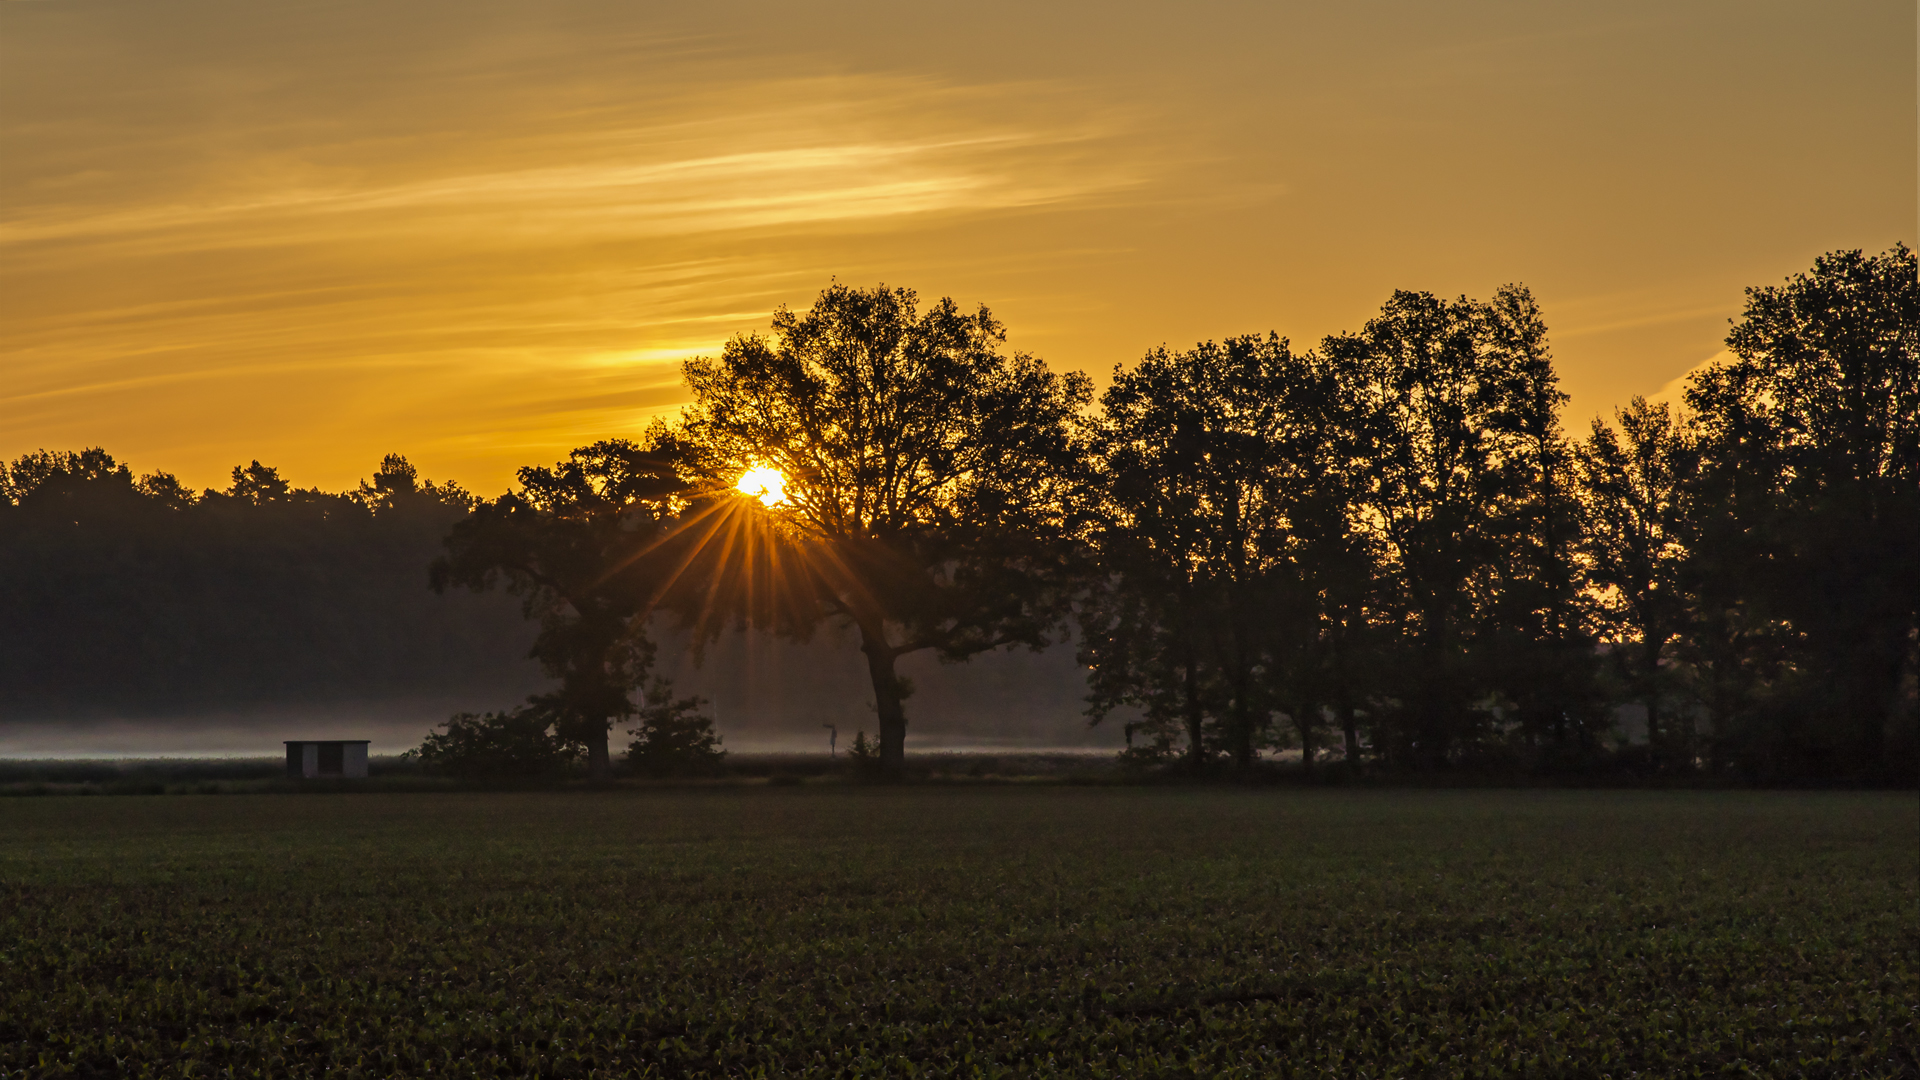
[765, 483]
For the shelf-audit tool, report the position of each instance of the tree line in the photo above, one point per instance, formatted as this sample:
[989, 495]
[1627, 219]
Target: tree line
[136, 596]
[1390, 542]
[1385, 550]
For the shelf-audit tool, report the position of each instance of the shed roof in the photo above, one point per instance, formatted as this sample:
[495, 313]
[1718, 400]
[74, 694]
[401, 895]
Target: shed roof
[303, 742]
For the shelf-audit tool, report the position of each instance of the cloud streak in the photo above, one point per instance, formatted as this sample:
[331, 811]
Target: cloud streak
[545, 287]
[843, 150]
[483, 231]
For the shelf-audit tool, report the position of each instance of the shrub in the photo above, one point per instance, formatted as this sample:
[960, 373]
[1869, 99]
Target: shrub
[675, 739]
[864, 757]
[518, 744]
[1158, 751]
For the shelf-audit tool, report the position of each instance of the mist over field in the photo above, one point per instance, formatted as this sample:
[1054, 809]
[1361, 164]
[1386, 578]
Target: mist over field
[767, 695]
[775, 695]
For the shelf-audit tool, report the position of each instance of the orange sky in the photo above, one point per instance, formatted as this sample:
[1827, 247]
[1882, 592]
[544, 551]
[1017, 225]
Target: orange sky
[480, 233]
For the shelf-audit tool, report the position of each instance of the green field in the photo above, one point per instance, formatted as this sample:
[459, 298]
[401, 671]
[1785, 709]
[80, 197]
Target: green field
[961, 931]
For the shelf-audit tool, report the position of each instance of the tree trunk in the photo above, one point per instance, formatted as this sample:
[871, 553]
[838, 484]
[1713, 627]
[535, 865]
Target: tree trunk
[1435, 717]
[887, 703]
[1306, 740]
[1350, 729]
[1656, 745]
[1650, 696]
[1196, 751]
[1881, 669]
[1343, 701]
[599, 762]
[1242, 730]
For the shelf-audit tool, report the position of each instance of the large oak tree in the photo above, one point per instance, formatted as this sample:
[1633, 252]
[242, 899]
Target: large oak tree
[927, 477]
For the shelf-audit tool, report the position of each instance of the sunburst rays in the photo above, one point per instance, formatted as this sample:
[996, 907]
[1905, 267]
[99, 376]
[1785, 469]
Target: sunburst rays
[765, 483]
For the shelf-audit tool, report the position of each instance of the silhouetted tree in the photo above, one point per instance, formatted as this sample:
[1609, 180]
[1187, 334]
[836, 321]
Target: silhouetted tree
[674, 738]
[927, 476]
[573, 544]
[1211, 476]
[1636, 484]
[1326, 651]
[1453, 405]
[141, 598]
[257, 484]
[1809, 560]
[396, 487]
[1540, 621]
[166, 490]
[1391, 531]
[521, 743]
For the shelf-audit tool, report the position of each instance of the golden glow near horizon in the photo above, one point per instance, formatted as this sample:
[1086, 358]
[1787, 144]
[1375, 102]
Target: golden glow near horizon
[764, 483]
[482, 233]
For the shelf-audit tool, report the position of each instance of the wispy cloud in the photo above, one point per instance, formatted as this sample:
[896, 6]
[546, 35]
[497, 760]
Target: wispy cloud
[1674, 392]
[854, 150]
[312, 233]
[1659, 316]
[545, 283]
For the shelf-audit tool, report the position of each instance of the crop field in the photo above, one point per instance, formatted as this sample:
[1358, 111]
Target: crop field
[1018, 930]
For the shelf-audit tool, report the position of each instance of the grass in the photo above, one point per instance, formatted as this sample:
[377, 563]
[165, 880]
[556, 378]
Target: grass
[391, 773]
[962, 931]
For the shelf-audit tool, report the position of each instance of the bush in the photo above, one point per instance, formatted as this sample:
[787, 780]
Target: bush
[864, 757]
[675, 739]
[519, 744]
[1157, 752]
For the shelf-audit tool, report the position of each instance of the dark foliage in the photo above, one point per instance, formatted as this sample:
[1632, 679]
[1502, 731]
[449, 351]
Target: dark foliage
[863, 757]
[138, 597]
[1639, 485]
[928, 475]
[1805, 570]
[1392, 535]
[1381, 529]
[673, 737]
[1225, 552]
[518, 744]
[581, 544]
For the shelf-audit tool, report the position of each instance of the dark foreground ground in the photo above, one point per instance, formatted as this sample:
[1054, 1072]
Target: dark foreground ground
[391, 773]
[961, 931]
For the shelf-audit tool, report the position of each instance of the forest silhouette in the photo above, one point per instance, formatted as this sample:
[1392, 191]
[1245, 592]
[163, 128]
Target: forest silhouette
[1385, 552]
[125, 596]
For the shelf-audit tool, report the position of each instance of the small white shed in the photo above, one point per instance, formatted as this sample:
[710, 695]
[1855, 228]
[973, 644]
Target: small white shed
[308, 759]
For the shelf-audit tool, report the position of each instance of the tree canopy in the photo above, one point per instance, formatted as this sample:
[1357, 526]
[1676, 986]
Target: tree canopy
[1219, 539]
[1392, 533]
[135, 596]
[1807, 562]
[928, 477]
[575, 544]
